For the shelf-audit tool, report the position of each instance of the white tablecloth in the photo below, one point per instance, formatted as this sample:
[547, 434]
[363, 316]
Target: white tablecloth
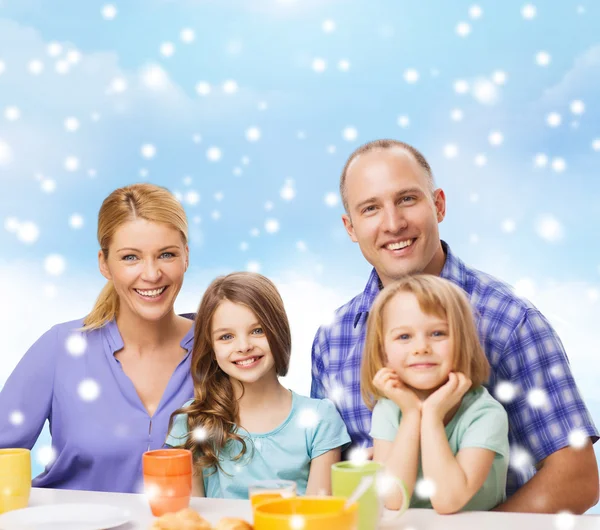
[214, 509]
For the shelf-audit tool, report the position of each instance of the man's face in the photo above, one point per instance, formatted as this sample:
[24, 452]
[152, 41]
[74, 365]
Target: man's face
[392, 214]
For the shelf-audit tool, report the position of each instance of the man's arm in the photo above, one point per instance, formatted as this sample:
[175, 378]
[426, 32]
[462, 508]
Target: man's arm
[567, 480]
[320, 350]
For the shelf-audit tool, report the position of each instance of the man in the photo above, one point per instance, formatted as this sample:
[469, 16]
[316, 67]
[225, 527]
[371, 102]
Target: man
[392, 212]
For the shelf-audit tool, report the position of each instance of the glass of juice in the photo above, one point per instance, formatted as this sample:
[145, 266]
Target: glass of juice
[268, 490]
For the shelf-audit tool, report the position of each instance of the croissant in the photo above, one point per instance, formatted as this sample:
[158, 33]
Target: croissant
[232, 523]
[186, 519]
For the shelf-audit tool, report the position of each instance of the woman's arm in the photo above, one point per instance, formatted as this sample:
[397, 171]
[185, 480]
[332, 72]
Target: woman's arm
[26, 398]
[456, 479]
[401, 457]
[319, 476]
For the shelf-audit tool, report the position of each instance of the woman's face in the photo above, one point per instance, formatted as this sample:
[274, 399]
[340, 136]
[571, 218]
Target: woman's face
[146, 262]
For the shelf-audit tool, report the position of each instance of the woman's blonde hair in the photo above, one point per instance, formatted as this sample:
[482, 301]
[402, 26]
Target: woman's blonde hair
[438, 297]
[138, 201]
[215, 408]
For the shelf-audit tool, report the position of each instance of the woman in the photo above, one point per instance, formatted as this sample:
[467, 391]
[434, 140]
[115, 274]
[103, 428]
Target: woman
[109, 382]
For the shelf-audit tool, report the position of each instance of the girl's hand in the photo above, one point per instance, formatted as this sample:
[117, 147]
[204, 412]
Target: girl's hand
[447, 396]
[389, 384]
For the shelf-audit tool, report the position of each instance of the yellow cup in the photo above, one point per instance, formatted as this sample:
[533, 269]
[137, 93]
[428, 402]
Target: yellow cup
[15, 479]
[308, 513]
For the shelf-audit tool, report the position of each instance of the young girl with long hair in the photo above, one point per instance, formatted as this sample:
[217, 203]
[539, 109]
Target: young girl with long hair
[424, 367]
[243, 425]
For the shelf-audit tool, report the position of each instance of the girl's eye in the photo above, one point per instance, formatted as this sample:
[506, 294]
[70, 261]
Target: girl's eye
[439, 333]
[227, 336]
[257, 331]
[404, 336]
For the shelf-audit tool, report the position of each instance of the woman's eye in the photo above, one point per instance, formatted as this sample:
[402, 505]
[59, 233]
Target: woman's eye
[167, 255]
[129, 257]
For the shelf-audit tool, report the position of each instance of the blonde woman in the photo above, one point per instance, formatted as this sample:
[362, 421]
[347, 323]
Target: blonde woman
[424, 366]
[108, 383]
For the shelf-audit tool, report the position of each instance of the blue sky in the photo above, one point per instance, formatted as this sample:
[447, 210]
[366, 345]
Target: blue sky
[249, 110]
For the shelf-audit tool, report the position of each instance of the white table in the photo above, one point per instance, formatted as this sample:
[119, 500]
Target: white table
[214, 509]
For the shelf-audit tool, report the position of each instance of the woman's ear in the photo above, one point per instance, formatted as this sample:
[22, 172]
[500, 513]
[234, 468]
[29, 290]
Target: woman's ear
[103, 266]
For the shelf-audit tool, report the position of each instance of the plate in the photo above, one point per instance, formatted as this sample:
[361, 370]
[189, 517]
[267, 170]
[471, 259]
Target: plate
[65, 517]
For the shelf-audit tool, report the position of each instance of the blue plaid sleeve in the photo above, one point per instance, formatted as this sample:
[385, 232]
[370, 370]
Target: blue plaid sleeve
[320, 349]
[547, 406]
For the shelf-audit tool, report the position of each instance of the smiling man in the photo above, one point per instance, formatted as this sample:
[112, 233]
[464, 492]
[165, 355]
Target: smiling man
[392, 211]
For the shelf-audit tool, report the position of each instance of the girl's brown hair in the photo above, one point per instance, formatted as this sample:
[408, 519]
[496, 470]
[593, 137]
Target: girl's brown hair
[438, 297]
[215, 408]
[138, 201]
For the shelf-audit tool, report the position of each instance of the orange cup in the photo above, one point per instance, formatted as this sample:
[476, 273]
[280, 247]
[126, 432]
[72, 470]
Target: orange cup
[167, 479]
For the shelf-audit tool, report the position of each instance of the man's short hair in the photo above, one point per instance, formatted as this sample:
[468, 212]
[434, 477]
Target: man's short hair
[381, 145]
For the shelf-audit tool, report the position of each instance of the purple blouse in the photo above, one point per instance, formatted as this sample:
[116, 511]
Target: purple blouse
[98, 423]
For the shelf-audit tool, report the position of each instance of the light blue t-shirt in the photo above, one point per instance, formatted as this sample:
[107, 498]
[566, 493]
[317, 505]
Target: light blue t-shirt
[313, 427]
[479, 422]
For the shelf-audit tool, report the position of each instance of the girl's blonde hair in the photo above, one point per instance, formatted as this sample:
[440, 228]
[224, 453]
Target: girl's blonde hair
[438, 297]
[215, 408]
[137, 201]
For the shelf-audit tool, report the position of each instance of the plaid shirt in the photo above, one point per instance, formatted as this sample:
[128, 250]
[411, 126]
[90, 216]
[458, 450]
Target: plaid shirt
[522, 349]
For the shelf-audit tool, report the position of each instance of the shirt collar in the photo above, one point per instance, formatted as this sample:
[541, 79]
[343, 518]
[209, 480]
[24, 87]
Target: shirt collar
[454, 270]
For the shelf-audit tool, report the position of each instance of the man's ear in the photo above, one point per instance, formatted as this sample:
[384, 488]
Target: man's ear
[439, 199]
[349, 227]
[103, 266]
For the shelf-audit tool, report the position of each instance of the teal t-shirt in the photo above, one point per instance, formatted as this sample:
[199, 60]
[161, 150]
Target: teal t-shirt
[313, 427]
[480, 421]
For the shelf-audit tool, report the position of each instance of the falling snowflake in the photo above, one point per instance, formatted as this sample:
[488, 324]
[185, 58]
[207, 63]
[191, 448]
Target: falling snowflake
[525, 288]
[496, 138]
[28, 232]
[411, 75]
[540, 160]
[463, 29]
[331, 199]
[203, 88]
[578, 439]
[76, 344]
[213, 154]
[595, 147]
[319, 65]
[2, 67]
[35, 67]
[328, 26]
[425, 488]
[187, 35]
[505, 391]
[475, 12]
[230, 87]
[485, 91]
[553, 119]
[16, 417]
[192, 197]
[46, 455]
[301, 246]
[403, 121]
[343, 65]
[271, 226]
[244, 246]
[358, 455]
[499, 77]
[549, 228]
[564, 520]
[297, 522]
[253, 266]
[88, 390]
[167, 49]
[215, 214]
[11, 224]
[350, 134]
[148, 151]
[543, 58]
[461, 86]
[520, 459]
[480, 160]
[577, 107]
[54, 49]
[451, 151]
[528, 11]
[456, 115]
[508, 226]
[109, 12]
[12, 113]
[558, 165]
[537, 398]
[48, 185]
[71, 124]
[74, 56]
[199, 434]
[219, 196]
[287, 193]
[154, 77]
[253, 134]
[55, 264]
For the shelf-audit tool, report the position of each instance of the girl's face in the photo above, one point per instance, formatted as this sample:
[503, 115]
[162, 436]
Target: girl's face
[146, 262]
[418, 346]
[240, 344]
